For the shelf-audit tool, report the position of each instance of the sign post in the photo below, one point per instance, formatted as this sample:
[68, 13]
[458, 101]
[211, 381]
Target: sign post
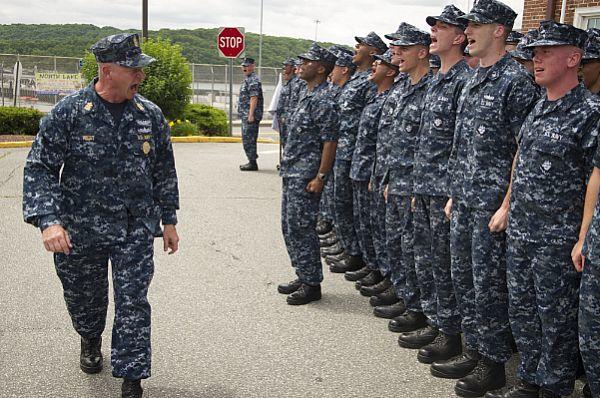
[231, 43]
[17, 72]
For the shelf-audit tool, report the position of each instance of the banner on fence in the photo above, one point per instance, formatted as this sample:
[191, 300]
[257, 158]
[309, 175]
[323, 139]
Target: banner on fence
[57, 83]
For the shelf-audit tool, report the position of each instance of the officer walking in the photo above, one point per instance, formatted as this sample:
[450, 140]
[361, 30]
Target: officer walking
[250, 112]
[307, 159]
[117, 183]
[556, 146]
[491, 111]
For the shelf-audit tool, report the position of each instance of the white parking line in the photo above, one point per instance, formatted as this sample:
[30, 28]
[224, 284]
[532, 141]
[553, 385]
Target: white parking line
[267, 152]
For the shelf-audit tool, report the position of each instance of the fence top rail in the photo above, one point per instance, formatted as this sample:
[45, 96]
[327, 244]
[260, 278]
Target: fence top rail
[37, 56]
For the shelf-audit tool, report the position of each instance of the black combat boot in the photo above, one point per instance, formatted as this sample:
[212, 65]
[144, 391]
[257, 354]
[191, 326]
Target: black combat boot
[444, 347]
[90, 359]
[290, 287]
[304, 295]
[330, 240]
[377, 288]
[519, 390]
[419, 338]
[548, 394]
[334, 249]
[373, 278]
[587, 391]
[353, 276]
[250, 166]
[486, 376]
[407, 322]
[387, 297]
[389, 311]
[131, 389]
[324, 226]
[349, 264]
[457, 367]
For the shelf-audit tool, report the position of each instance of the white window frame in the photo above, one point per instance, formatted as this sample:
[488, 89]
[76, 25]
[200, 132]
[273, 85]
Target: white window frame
[582, 15]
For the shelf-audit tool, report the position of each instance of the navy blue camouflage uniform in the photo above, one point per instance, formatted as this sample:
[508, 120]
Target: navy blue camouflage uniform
[118, 181]
[399, 177]
[363, 160]
[491, 110]
[327, 210]
[557, 143]
[288, 99]
[378, 214]
[589, 296]
[353, 98]
[589, 300]
[431, 192]
[251, 87]
[556, 146]
[312, 125]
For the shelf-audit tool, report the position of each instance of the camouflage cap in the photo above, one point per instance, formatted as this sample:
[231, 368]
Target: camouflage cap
[435, 61]
[396, 34]
[514, 37]
[121, 49]
[386, 58]
[558, 34]
[345, 60]
[412, 36]
[337, 50]
[248, 61]
[450, 15]
[491, 11]
[522, 52]
[289, 62]
[592, 49]
[317, 53]
[373, 40]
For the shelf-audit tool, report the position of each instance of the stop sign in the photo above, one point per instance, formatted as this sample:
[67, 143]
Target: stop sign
[231, 42]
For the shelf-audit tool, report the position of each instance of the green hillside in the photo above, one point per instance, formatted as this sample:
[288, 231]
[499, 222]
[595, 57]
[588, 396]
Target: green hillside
[198, 45]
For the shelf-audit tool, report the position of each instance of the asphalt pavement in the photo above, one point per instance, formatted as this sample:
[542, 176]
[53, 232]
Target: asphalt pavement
[220, 329]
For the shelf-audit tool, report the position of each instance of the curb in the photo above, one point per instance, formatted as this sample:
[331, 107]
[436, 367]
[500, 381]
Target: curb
[185, 140]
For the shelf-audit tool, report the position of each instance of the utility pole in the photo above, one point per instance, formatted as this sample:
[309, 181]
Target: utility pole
[260, 39]
[317, 22]
[145, 20]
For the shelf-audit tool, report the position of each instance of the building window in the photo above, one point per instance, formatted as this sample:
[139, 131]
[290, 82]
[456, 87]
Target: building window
[587, 17]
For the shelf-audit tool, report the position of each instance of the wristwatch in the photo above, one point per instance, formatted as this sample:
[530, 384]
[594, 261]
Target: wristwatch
[322, 176]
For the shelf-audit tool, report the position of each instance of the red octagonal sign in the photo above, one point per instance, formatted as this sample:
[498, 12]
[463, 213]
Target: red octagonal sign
[231, 42]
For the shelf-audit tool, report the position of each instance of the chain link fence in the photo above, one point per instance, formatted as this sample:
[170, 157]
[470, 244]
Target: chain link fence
[210, 83]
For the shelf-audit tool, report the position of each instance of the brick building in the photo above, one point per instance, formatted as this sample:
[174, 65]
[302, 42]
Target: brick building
[581, 13]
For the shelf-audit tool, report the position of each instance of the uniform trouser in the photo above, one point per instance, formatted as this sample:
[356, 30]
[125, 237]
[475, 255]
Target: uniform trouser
[84, 276]
[432, 263]
[544, 296]
[479, 277]
[362, 215]
[345, 223]
[378, 210]
[400, 240]
[589, 323]
[249, 138]
[326, 206]
[299, 212]
[282, 131]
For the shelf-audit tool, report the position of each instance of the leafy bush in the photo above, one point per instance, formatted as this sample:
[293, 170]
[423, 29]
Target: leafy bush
[19, 121]
[167, 81]
[210, 121]
[183, 128]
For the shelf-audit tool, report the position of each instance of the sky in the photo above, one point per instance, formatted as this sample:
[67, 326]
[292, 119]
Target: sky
[339, 20]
